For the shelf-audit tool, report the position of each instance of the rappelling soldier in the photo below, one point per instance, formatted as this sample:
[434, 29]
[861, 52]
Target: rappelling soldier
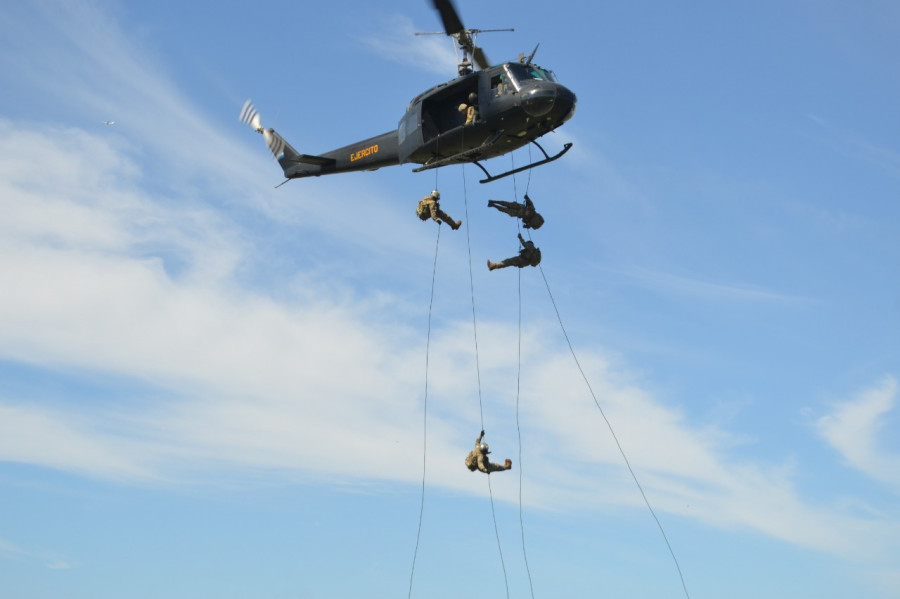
[528, 256]
[478, 458]
[530, 218]
[429, 206]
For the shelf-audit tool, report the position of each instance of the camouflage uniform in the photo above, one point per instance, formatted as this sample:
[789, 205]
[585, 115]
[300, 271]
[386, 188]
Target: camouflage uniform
[471, 113]
[528, 256]
[530, 218]
[430, 207]
[478, 460]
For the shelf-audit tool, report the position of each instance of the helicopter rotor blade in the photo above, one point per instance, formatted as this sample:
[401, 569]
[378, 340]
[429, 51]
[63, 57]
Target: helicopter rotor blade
[480, 58]
[449, 16]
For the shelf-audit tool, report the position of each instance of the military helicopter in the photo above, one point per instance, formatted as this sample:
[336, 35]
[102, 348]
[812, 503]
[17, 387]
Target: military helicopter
[515, 102]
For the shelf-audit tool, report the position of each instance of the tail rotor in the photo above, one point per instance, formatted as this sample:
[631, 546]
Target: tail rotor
[250, 116]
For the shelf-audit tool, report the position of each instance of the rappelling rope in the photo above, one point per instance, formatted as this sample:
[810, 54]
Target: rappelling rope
[615, 438]
[478, 372]
[425, 413]
[519, 431]
[472, 290]
[519, 388]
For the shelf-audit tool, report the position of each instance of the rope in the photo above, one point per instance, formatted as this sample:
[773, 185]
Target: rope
[616, 439]
[472, 290]
[519, 431]
[519, 388]
[478, 373]
[425, 414]
[497, 533]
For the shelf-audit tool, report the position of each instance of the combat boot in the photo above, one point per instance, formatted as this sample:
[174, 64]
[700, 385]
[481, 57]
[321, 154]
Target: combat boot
[491, 265]
[508, 464]
[456, 225]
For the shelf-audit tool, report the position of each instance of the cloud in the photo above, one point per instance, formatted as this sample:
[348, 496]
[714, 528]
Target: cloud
[8, 548]
[853, 429]
[62, 441]
[224, 379]
[107, 73]
[854, 146]
[10, 551]
[397, 41]
[709, 290]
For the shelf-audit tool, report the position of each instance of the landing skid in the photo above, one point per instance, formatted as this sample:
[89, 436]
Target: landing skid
[547, 158]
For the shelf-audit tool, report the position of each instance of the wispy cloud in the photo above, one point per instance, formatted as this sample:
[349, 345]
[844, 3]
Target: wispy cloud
[11, 551]
[397, 41]
[108, 75]
[854, 146]
[671, 283]
[9, 548]
[61, 441]
[854, 430]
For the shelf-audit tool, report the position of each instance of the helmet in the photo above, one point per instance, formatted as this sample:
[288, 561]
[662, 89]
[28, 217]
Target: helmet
[473, 97]
[484, 448]
[436, 194]
[536, 221]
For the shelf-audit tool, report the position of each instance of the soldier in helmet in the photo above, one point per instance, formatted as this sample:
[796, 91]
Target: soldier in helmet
[429, 207]
[528, 256]
[530, 218]
[469, 110]
[478, 458]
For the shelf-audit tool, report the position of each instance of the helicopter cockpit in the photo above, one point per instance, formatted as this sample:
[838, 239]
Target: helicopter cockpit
[514, 76]
[525, 72]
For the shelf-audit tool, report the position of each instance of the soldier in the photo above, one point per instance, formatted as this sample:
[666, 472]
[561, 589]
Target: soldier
[429, 206]
[469, 109]
[528, 256]
[478, 460]
[530, 218]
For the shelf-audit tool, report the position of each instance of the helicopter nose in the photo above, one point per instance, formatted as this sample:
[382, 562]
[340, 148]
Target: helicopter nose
[538, 101]
[565, 103]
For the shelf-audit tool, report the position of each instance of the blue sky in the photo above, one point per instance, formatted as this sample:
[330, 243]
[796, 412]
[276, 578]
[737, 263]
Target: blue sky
[212, 387]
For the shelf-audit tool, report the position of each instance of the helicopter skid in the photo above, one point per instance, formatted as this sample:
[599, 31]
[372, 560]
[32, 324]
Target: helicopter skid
[547, 158]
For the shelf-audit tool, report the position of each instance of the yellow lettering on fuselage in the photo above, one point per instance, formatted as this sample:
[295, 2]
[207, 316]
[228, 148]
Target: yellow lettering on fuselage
[363, 153]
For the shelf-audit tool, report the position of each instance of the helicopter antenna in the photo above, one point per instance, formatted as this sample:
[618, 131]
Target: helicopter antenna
[530, 58]
[465, 38]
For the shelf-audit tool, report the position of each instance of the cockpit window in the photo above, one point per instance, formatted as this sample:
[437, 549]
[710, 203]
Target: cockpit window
[522, 73]
[546, 74]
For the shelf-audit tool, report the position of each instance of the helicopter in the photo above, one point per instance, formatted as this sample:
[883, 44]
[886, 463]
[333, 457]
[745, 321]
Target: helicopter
[515, 103]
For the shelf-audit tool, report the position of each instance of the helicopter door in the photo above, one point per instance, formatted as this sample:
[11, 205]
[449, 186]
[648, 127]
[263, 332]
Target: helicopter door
[409, 132]
[440, 111]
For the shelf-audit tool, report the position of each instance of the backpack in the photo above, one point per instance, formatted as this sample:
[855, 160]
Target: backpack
[423, 211]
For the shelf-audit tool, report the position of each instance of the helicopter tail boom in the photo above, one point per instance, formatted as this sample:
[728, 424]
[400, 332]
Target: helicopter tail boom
[366, 155]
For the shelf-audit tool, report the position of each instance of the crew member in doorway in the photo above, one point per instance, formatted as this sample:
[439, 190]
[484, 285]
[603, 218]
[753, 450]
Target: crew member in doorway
[478, 458]
[530, 218]
[469, 110]
[528, 256]
[429, 206]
